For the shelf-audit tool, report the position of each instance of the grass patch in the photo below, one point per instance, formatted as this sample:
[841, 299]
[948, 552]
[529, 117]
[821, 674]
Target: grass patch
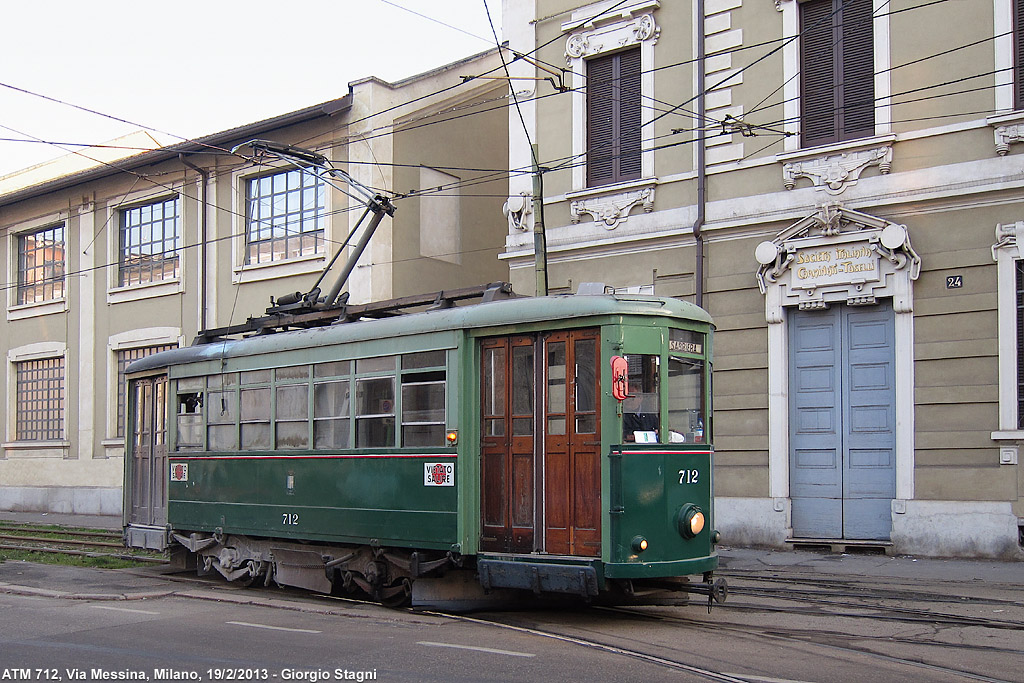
[97, 562]
[97, 556]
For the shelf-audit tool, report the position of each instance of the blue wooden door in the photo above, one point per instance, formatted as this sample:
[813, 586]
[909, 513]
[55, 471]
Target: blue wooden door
[842, 422]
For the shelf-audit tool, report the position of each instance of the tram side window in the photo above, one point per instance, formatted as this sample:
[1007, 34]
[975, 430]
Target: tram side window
[375, 403]
[686, 418]
[221, 420]
[190, 414]
[423, 399]
[331, 414]
[255, 414]
[641, 411]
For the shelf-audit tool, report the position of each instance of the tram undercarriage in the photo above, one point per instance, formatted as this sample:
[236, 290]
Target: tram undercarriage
[427, 579]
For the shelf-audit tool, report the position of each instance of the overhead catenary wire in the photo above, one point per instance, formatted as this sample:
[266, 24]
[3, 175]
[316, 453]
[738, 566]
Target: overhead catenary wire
[674, 107]
[468, 182]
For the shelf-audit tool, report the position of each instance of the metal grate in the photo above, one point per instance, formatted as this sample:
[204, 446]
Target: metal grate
[285, 217]
[124, 358]
[149, 242]
[41, 265]
[40, 400]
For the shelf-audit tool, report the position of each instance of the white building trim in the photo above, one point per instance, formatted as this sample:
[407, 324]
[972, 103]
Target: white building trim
[1006, 251]
[1003, 49]
[897, 267]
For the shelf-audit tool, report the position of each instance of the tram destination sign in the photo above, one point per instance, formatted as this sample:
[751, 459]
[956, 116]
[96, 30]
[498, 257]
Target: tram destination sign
[685, 346]
[838, 264]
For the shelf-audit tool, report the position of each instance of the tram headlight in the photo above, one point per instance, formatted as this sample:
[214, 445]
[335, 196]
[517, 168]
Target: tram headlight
[452, 437]
[691, 521]
[639, 544]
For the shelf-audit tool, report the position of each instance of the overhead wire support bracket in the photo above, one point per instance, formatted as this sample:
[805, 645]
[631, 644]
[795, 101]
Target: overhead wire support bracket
[560, 85]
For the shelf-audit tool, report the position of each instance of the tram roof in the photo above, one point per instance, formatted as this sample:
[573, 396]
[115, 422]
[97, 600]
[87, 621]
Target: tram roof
[498, 313]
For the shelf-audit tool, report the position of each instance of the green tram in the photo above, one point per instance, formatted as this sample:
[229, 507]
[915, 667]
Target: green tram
[517, 447]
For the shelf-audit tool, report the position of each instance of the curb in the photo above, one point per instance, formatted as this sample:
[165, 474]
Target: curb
[12, 589]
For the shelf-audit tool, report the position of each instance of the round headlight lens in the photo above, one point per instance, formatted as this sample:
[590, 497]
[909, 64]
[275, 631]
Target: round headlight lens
[697, 523]
[691, 520]
[639, 544]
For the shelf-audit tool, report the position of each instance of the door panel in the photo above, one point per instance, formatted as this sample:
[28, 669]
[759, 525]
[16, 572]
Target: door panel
[507, 453]
[869, 457]
[815, 468]
[842, 422]
[572, 460]
[149, 452]
[549, 387]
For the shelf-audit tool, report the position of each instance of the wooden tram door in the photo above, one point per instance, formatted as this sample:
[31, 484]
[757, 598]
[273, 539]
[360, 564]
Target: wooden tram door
[149, 452]
[541, 471]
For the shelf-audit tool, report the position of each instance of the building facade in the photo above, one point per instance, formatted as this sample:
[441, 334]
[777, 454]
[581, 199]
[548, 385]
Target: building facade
[838, 182]
[125, 258]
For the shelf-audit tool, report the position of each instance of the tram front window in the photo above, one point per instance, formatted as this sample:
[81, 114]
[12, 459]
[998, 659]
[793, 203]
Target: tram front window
[686, 418]
[641, 411]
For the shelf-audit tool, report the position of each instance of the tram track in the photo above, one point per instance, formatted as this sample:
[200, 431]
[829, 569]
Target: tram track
[59, 541]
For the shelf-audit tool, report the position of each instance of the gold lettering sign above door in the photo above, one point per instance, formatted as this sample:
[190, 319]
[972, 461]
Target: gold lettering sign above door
[849, 263]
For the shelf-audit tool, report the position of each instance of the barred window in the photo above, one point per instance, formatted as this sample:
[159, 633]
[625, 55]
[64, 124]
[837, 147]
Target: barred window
[150, 239]
[40, 400]
[124, 358]
[285, 217]
[41, 265]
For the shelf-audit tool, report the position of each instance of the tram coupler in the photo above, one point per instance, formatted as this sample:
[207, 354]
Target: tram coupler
[717, 590]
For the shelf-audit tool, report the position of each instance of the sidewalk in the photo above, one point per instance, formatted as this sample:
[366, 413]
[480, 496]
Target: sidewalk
[112, 522]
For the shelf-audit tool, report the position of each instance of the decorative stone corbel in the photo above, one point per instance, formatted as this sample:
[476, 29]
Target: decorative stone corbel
[611, 210]
[1008, 236]
[1006, 136]
[834, 173]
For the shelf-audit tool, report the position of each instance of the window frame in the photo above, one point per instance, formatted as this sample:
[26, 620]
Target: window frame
[614, 110]
[307, 180]
[154, 263]
[844, 73]
[20, 270]
[791, 51]
[54, 420]
[632, 25]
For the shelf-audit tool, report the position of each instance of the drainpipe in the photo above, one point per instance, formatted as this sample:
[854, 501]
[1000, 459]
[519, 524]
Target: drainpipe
[698, 223]
[203, 200]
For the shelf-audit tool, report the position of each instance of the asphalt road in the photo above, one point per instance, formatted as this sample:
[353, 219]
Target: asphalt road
[789, 617]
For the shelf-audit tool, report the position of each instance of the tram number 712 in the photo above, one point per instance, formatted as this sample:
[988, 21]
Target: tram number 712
[688, 476]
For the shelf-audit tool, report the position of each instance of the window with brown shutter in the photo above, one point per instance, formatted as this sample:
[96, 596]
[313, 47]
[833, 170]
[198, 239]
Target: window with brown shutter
[837, 97]
[613, 118]
[1018, 54]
